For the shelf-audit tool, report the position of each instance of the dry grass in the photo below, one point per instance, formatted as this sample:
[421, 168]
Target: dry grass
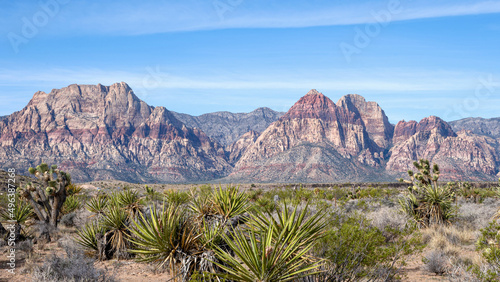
[449, 239]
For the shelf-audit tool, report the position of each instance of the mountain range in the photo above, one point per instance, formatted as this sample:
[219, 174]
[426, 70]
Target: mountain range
[98, 132]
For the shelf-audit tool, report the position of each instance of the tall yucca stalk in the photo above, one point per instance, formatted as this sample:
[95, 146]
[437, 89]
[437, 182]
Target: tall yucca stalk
[276, 252]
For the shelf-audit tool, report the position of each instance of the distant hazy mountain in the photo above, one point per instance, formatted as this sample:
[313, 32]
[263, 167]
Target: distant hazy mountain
[226, 127]
[489, 127]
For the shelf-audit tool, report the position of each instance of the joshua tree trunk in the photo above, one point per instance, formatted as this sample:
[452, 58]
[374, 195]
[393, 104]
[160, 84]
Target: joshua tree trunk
[47, 201]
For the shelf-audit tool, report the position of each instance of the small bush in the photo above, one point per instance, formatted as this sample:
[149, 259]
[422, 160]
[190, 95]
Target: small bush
[74, 267]
[436, 262]
[68, 220]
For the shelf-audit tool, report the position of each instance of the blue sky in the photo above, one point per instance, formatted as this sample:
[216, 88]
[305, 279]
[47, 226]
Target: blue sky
[415, 58]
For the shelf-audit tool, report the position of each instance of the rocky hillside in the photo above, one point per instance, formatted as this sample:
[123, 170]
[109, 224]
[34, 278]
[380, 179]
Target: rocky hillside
[226, 127]
[315, 140]
[106, 132]
[98, 132]
[461, 156]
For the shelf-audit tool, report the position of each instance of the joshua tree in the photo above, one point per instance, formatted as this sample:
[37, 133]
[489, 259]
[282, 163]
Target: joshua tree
[428, 202]
[47, 201]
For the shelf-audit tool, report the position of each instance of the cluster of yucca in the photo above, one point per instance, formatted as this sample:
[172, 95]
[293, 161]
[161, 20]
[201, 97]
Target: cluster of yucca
[205, 237]
[107, 234]
[427, 202]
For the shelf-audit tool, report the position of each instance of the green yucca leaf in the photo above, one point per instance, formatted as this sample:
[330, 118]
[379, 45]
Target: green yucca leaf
[71, 204]
[20, 213]
[274, 253]
[229, 202]
[98, 205]
[86, 236]
[115, 222]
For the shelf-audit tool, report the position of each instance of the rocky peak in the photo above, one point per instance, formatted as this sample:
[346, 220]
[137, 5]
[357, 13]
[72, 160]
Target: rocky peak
[379, 129]
[405, 130]
[433, 122]
[96, 131]
[317, 106]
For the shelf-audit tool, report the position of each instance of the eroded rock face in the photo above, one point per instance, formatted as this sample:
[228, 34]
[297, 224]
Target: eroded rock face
[376, 123]
[106, 132]
[480, 126]
[238, 148]
[314, 124]
[461, 157]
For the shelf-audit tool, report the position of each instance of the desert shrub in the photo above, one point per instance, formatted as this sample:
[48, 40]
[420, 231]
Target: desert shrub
[354, 249]
[152, 194]
[253, 195]
[25, 246]
[475, 215]
[436, 262]
[386, 218]
[74, 267]
[265, 204]
[68, 220]
[336, 193]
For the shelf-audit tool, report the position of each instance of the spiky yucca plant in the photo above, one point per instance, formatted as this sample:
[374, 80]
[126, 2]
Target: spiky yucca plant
[276, 252]
[176, 197]
[166, 237]
[229, 202]
[129, 200]
[87, 235]
[71, 204]
[98, 205]
[307, 227]
[115, 222]
[20, 211]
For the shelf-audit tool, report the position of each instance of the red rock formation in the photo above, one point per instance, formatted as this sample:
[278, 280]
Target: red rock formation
[374, 119]
[460, 157]
[97, 131]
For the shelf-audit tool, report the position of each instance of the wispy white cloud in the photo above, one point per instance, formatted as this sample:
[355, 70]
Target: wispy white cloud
[148, 17]
[392, 80]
